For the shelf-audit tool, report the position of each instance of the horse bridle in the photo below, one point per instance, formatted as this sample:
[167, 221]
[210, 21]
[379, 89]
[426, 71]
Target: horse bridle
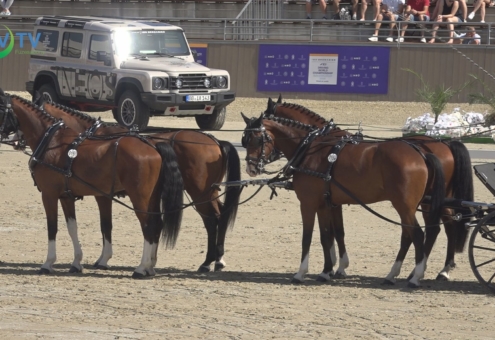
[7, 115]
[261, 160]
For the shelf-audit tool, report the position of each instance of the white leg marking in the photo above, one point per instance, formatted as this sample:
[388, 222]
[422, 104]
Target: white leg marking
[343, 264]
[303, 269]
[333, 254]
[78, 254]
[394, 272]
[106, 254]
[51, 257]
[446, 270]
[326, 276]
[146, 263]
[419, 272]
[154, 254]
[221, 261]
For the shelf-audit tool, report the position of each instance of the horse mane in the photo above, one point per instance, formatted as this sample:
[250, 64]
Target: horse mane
[292, 123]
[79, 114]
[42, 113]
[304, 110]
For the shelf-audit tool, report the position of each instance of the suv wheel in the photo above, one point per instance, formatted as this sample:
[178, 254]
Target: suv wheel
[212, 122]
[132, 111]
[48, 94]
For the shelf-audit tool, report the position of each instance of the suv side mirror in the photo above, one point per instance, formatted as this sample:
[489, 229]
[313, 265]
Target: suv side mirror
[195, 55]
[102, 56]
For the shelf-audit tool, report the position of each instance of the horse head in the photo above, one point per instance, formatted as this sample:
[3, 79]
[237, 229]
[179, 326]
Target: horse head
[8, 120]
[258, 144]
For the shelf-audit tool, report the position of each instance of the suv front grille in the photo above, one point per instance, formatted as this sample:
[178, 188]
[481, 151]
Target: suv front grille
[189, 81]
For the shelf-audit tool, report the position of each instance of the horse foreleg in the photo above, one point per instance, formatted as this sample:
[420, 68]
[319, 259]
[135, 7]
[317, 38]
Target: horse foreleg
[338, 226]
[51, 211]
[69, 208]
[326, 240]
[105, 207]
[308, 218]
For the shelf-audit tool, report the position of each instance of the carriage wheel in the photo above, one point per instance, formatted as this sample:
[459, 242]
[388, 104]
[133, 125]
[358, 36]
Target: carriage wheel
[482, 251]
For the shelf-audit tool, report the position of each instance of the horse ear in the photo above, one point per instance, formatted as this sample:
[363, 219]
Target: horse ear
[270, 105]
[246, 119]
[279, 101]
[259, 121]
[37, 98]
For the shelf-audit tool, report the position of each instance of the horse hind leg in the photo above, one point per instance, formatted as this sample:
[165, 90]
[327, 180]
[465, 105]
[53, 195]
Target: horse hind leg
[106, 226]
[431, 233]
[211, 224]
[405, 243]
[450, 231]
[327, 243]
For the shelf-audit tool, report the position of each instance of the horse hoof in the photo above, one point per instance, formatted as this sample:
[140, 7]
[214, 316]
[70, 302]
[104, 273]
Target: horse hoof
[204, 269]
[441, 277]
[296, 281]
[412, 285]
[338, 276]
[96, 264]
[321, 279]
[74, 269]
[388, 283]
[219, 267]
[101, 267]
[410, 277]
[138, 276]
[43, 271]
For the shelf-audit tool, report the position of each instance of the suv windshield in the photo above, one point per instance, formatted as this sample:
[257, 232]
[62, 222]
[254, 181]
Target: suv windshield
[151, 42]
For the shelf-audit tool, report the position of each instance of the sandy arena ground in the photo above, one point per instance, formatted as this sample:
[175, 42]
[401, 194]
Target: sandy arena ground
[253, 297]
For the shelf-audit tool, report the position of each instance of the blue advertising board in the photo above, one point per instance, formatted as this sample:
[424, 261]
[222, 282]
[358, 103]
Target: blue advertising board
[201, 50]
[318, 68]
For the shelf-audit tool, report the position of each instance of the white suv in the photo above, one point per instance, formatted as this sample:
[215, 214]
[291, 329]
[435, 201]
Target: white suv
[135, 68]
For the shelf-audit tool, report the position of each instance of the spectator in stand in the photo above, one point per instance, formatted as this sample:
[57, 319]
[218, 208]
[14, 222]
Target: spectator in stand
[364, 6]
[481, 4]
[449, 13]
[462, 8]
[416, 11]
[468, 38]
[389, 10]
[5, 7]
[323, 8]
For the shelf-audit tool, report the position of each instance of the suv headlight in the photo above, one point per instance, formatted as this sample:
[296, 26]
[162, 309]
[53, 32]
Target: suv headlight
[220, 82]
[159, 83]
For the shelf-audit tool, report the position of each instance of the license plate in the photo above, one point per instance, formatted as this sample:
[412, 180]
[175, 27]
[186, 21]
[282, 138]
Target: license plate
[198, 98]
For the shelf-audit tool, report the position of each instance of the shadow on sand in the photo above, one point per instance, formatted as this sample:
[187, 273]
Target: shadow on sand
[352, 281]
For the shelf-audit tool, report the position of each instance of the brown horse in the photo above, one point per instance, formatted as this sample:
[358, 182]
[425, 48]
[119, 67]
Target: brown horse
[363, 173]
[203, 161]
[456, 164]
[65, 165]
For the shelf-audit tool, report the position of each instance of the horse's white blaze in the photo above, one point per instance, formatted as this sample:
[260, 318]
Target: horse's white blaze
[146, 263]
[51, 257]
[343, 264]
[394, 272]
[419, 272]
[78, 254]
[303, 269]
[333, 254]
